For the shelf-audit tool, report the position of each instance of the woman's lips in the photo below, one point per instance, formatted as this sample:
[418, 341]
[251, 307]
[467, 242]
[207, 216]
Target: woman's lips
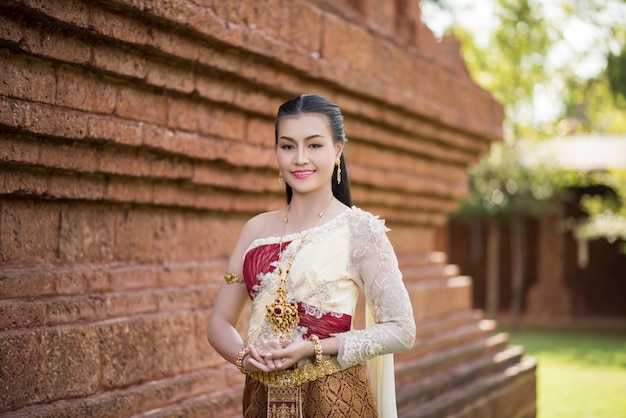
[302, 174]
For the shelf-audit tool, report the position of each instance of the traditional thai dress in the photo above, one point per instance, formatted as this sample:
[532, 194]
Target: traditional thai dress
[348, 254]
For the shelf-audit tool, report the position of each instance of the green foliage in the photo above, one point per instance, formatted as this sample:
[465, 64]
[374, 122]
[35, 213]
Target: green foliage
[517, 64]
[502, 185]
[616, 72]
[607, 212]
[592, 106]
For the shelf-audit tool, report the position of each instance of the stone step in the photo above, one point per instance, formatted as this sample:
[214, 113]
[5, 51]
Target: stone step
[446, 359]
[433, 327]
[510, 383]
[430, 384]
[448, 335]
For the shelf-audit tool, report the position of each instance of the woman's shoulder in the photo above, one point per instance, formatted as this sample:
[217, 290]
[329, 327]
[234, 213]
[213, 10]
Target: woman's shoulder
[261, 225]
[363, 221]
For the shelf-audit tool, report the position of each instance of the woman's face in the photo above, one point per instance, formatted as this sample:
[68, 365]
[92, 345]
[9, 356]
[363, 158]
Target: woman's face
[305, 151]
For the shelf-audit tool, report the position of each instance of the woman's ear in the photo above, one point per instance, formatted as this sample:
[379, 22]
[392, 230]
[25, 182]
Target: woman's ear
[339, 149]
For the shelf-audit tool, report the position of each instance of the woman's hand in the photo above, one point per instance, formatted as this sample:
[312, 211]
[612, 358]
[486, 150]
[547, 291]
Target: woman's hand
[257, 360]
[288, 354]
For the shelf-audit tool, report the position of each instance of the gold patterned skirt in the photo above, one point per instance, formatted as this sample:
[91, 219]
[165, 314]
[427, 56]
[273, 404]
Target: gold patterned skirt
[345, 393]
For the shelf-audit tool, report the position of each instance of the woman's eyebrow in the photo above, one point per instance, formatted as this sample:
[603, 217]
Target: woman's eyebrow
[287, 138]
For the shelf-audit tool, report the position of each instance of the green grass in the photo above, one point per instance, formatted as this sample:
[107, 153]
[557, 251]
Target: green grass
[580, 374]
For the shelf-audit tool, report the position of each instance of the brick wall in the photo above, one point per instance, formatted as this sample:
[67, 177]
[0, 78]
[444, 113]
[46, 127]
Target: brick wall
[136, 137]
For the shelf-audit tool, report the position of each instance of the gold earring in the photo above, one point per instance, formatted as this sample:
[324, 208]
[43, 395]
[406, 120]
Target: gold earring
[337, 163]
[281, 180]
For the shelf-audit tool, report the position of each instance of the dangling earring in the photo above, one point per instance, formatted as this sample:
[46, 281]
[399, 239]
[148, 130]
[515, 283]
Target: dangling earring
[281, 180]
[337, 163]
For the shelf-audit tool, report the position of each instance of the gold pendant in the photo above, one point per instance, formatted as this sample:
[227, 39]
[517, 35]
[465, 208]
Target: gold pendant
[283, 316]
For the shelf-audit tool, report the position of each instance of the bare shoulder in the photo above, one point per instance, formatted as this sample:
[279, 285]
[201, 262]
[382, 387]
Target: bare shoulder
[263, 225]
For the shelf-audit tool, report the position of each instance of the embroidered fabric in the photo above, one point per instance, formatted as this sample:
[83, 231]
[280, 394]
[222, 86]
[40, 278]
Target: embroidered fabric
[349, 253]
[374, 266]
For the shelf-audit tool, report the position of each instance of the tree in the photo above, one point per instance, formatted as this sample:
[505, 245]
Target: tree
[534, 55]
[505, 190]
[530, 57]
[607, 212]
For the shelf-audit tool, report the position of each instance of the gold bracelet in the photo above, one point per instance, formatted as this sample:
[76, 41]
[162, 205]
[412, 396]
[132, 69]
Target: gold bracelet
[317, 348]
[240, 357]
[232, 278]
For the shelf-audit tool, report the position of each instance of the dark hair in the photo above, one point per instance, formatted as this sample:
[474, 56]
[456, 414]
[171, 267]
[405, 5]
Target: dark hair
[312, 103]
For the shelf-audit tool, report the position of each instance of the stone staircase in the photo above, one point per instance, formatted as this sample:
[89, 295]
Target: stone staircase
[460, 365]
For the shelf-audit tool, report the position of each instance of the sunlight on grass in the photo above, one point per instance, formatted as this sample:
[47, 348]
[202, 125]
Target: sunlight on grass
[581, 374]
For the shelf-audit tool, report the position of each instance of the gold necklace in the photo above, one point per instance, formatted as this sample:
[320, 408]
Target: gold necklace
[283, 315]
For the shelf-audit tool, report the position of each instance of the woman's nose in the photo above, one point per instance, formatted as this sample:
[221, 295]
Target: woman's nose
[301, 156]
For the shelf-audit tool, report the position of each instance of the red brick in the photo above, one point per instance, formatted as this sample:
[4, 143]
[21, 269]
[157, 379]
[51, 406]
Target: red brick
[170, 167]
[196, 146]
[251, 156]
[143, 105]
[136, 233]
[68, 155]
[25, 283]
[26, 79]
[48, 121]
[214, 176]
[73, 186]
[66, 311]
[123, 161]
[11, 29]
[170, 76]
[119, 61]
[117, 26]
[126, 190]
[56, 45]
[131, 278]
[23, 183]
[11, 112]
[118, 404]
[255, 101]
[173, 44]
[191, 385]
[172, 194]
[182, 114]
[75, 13]
[175, 11]
[114, 130]
[72, 282]
[310, 17]
[213, 88]
[18, 149]
[222, 123]
[48, 365]
[130, 303]
[84, 91]
[97, 281]
[146, 349]
[213, 26]
[19, 315]
[29, 232]
[86, 234]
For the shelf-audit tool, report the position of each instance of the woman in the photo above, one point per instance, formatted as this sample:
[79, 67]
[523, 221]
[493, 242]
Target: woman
[302, 267]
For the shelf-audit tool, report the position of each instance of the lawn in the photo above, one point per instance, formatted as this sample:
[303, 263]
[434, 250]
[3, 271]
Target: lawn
[580, 374]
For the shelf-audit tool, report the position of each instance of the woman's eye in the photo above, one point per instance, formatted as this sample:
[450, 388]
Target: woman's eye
[315, 145]
[286, 146]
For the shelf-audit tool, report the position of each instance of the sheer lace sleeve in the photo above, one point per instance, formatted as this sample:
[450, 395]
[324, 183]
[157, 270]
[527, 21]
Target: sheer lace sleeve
[374, 266]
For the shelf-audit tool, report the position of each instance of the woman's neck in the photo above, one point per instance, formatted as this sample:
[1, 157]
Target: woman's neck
[305, 210]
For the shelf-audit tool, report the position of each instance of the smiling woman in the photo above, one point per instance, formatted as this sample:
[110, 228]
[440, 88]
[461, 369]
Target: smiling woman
[303, 267]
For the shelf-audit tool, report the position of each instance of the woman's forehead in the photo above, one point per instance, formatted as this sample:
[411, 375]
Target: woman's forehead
[304, 124]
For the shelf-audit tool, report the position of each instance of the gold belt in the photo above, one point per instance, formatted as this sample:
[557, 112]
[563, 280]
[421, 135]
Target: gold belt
[295, 377]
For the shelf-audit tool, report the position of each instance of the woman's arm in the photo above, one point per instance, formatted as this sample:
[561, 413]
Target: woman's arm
[230, 303]
[375, 265]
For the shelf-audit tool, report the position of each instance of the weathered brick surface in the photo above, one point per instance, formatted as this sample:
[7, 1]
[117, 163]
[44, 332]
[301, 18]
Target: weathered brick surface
[136, 137]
